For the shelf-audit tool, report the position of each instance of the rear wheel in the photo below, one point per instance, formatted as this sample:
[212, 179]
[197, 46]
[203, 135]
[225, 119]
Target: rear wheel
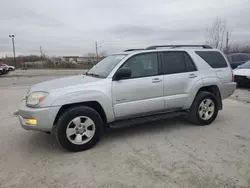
[79, 128]
[204, 109]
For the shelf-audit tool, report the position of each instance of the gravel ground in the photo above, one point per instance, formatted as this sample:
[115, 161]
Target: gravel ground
[169, 153]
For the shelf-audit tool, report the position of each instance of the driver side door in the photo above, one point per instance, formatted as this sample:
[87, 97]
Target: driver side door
[142, 93]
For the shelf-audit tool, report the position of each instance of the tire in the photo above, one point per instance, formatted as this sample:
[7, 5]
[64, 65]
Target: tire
[198, 115]
[239, 84]
[65, 122]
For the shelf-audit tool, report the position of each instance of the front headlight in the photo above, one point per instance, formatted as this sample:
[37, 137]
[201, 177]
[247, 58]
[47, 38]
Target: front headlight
[36, 97]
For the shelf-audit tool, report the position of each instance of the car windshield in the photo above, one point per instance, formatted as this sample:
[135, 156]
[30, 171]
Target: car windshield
[105, 66]
[245, 65]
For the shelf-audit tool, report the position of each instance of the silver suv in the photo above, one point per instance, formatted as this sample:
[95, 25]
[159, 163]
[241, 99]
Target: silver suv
[131, 87]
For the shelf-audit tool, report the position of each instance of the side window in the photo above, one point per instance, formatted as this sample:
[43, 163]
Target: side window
[143, 65]
[245, 57]
[173, 62]
[189, 63]
[236, 58]
[213, 58]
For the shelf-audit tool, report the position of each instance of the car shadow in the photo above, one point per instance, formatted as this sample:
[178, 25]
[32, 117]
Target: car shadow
[41, 142]
[154, 127]
[44, 143]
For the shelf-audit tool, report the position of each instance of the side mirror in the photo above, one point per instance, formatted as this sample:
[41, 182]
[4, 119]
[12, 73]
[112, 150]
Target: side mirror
[122, 73]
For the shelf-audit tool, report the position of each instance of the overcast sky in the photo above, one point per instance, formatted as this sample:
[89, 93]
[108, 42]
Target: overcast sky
[71, 27]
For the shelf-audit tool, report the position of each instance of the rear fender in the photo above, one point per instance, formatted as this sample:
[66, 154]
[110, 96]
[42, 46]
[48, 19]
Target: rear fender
[205, 82]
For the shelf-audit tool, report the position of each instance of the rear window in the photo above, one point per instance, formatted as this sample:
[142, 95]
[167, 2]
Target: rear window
[214, 59]
[237, 58]
[245, 57]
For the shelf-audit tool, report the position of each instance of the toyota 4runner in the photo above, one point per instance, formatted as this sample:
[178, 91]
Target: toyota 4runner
[131, 87]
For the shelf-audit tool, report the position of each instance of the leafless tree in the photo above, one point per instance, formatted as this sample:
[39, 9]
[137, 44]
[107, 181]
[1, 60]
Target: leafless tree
[239, 48]
[219, 35]
[103, 54]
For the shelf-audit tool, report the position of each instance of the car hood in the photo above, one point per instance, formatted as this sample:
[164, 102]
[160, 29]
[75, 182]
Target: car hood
[242, 72]
[63, 83]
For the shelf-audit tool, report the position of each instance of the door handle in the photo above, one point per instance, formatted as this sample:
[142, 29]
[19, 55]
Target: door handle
[192, 75]
[156, 80]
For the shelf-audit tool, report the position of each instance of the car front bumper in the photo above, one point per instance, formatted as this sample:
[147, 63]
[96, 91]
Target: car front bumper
[5, 71]
[44, 117]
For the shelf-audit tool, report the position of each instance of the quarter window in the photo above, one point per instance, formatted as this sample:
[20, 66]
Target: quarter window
[189, 63]
[213, 58]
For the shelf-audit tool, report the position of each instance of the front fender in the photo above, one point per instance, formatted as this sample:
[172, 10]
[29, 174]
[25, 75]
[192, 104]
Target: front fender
[86, 96]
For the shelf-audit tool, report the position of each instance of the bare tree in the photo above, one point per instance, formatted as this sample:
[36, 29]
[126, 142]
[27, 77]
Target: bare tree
[103, 54]
[219, 35]
[240, 48]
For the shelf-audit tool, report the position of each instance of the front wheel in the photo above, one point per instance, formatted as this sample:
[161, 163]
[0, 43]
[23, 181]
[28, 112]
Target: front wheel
[79, 128]
[204, 109]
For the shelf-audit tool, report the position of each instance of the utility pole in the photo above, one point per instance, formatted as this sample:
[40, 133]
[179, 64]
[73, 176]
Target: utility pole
[41, 51]
[227, 41]
[5, 61]
[14, 51]
[96, 52]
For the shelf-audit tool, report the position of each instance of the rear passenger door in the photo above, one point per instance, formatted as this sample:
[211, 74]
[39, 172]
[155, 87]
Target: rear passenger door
[179, 75]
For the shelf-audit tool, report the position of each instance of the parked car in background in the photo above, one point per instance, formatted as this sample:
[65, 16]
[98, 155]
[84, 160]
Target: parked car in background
[130, 87]
[1, 71]
[237, 59]
[242, 74]
[5, 68]
[10, 68]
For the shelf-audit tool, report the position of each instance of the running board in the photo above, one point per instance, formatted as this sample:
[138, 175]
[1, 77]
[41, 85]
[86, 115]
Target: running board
[145, 119]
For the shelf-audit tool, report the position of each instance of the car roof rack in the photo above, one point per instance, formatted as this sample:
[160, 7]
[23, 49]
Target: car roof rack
[177, 46]
[130, 50]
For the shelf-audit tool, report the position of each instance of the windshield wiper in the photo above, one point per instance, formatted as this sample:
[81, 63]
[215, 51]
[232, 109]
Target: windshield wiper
[94, 75]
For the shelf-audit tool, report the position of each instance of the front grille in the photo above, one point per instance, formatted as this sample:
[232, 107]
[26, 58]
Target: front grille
[239, 78]
[242, 80]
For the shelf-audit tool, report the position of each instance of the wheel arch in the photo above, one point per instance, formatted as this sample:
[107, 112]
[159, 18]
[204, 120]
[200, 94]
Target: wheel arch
[214, 89]
[92, 104]
[91, 98]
